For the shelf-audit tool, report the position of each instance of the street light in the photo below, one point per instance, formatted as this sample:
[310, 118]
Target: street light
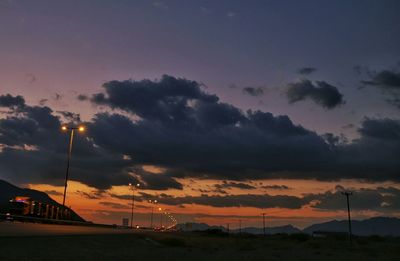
[71, 138]
[133, 199]
[152, 211]
[161, 215]
[263, 215]
[347, 194]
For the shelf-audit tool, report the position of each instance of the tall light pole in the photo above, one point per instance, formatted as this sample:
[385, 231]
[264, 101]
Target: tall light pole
[71, 138]
[161, 215]
[133, 199]
[263, 214]
[152, 211]
[347, 194]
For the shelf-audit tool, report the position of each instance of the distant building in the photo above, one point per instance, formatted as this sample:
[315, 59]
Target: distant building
[125, 222]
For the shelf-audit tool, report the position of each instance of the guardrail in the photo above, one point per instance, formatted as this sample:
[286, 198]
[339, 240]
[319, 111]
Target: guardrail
[6, 217]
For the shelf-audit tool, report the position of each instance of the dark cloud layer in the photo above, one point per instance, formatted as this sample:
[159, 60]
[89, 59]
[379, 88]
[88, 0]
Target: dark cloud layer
[384, 79]
[207, 138]
[240, 185]
[34, 151]
[244, 200]
[193, 134]
[154, 181]
[188, 133]
[276, 187]
[388, 81]
[11, 101]
[384, 199]
[322, 93]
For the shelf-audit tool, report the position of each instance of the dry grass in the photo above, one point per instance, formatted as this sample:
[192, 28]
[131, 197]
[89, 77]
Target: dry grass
[196, 246]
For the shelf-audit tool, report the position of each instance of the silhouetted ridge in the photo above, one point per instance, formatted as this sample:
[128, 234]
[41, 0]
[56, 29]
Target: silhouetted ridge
[9, 191]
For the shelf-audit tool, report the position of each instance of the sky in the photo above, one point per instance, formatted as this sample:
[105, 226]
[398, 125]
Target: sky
[221, 110]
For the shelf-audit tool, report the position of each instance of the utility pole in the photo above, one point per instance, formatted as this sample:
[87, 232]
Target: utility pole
[133, 200]
[153, 202]
[71, 138]
[347, 194]
[263, 214]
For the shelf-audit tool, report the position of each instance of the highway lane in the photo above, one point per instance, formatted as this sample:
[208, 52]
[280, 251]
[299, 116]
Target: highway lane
[8, 229]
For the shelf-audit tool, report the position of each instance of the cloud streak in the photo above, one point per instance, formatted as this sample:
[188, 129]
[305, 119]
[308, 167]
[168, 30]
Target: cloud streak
[322, 93]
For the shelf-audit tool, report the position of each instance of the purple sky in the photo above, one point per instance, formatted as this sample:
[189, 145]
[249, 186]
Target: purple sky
[73, 47]
[329, 66]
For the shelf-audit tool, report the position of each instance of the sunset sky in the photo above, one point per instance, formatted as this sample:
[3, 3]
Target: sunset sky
[221, 110]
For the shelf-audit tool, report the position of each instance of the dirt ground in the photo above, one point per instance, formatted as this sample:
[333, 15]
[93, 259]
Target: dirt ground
[196, 246]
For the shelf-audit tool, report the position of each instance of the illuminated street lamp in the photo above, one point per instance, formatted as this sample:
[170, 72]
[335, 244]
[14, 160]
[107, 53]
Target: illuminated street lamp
[71, 138]
[133, 199]
[161, 215]
[152, 211]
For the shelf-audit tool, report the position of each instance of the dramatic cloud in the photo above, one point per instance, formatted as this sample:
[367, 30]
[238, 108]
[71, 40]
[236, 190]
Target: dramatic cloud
[388, 82]
[70, 116]
[374, 155]
[191, 133]
[154, 181]
[227, 185]
[11, 101]
[253, 91]
[244, 200]
[379, 199]
[93, 195]
[34, 150]
[173, 125]
[322, 93]
[384, 79]
[188, 132]
[306, 70]
[276, 187]
[382, 129]
[384, 199]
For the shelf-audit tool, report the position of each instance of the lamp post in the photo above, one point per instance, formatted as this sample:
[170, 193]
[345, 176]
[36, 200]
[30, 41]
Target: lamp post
[347, 194]
[161, 215]
[263, 215]
[152, 211]
[133, 199]
[71, 138]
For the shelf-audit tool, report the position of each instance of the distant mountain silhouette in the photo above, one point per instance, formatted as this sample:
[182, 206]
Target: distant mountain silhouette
[382, 226]
[8, 191]
[197, 227]
[287, 229]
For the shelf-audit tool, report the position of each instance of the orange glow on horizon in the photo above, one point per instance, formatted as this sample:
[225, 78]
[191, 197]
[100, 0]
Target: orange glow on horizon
[105, 207]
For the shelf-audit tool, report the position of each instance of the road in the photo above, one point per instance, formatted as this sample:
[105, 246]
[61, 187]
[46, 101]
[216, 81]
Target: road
[8, 229]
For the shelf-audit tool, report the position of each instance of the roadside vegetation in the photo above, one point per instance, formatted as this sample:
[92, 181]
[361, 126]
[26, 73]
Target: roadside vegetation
[197, 246]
